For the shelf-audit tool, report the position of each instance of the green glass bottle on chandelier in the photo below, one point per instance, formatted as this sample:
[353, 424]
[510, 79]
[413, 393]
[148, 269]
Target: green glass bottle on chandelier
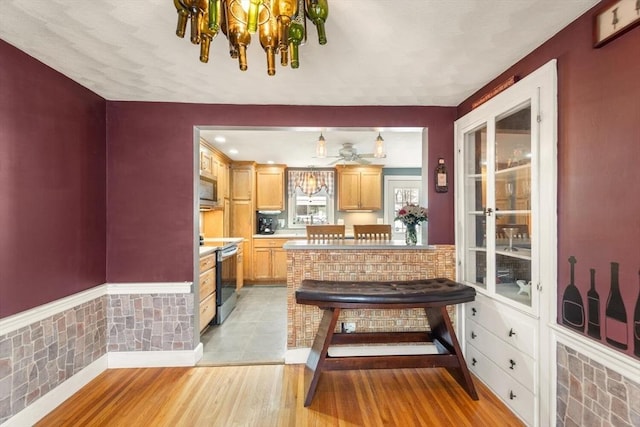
[318, 11]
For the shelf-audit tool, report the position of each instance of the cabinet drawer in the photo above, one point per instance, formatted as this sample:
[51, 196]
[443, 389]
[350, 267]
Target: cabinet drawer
[207, 262]
[515, 328]
[513, 394]
[514, 363]
[207, 283]
[268, 243]
[207, 310]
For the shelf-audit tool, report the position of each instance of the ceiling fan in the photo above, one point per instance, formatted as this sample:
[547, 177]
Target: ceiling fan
[349, 153]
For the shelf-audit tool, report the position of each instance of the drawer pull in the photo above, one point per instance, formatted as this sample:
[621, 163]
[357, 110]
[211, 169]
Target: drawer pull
[473, 335]
[512, 363]
[473, 311]
[511, 332]
[512, 395]
[473, 361]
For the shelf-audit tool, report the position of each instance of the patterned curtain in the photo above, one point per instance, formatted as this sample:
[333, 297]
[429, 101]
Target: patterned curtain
[310, 181]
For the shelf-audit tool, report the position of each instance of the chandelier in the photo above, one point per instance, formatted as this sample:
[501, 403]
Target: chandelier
[279, 24]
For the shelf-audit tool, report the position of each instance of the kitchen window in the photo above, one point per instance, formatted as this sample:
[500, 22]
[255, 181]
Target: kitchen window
[311, 198]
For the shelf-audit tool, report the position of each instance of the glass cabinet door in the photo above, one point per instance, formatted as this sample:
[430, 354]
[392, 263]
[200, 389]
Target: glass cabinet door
[475, 201]
[496, 220]
[512, 183]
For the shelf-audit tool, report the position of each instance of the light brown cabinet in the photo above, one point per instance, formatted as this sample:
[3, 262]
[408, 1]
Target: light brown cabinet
[270, 187]
[208, 164]
[359, 187]
[243, 211]
[222, 170]
[270, 260]
[207, 289]
[240, 267]
[242, 181]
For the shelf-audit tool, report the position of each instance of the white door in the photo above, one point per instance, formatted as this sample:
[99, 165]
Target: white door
[400, 191]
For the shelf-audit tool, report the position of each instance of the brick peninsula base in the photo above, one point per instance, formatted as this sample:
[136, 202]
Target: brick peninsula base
[360, 261]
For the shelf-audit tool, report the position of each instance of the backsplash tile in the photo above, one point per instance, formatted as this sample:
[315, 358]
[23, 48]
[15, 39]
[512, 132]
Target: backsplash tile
[37, 358]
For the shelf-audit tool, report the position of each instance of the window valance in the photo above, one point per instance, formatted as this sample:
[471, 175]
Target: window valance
[311, 181]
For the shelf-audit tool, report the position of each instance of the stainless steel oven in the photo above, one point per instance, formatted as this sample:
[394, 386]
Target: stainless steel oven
[226, 274]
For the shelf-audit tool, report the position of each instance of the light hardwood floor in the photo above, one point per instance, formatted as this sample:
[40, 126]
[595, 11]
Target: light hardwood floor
[273, 395]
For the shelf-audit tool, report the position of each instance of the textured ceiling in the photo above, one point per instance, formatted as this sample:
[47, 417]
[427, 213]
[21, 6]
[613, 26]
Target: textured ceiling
[379, 52]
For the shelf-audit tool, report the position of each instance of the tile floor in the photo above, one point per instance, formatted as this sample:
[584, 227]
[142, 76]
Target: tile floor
[254, 333]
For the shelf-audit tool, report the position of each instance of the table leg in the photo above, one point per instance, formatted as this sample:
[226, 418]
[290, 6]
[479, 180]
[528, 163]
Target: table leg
[444, 337]
[319, 350]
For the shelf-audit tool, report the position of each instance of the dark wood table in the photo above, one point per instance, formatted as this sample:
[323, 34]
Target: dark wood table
[431, 294]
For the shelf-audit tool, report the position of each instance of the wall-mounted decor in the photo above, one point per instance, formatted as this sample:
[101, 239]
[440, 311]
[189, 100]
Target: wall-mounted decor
[613, 19]
[572, 307]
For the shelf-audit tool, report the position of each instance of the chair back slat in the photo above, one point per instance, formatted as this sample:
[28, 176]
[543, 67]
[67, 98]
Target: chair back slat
[325, 232]
[372, 231]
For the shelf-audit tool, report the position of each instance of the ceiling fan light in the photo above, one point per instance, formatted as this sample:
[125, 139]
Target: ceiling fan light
[378, 151]
[321, 147]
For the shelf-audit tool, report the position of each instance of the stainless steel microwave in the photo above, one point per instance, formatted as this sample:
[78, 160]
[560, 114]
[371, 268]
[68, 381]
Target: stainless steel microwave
[208, 191]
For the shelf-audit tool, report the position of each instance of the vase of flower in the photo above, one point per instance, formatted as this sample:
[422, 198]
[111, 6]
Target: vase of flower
[411, 235]
[411, 216]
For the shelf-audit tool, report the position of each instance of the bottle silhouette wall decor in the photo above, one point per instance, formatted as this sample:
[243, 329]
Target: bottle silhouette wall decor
[572, 307]
[593, 303]
[615, 314]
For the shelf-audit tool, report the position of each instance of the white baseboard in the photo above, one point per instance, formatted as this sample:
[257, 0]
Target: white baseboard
[47, 403]
[297, 356]
[154, 359]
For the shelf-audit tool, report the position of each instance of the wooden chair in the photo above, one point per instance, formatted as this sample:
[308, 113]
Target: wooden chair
[372, 231]
[325, 232]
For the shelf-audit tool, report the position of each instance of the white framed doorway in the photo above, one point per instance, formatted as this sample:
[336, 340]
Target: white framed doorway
[400, 190]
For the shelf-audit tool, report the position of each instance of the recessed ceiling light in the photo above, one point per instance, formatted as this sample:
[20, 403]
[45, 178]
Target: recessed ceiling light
[233, 151]
[220, 139]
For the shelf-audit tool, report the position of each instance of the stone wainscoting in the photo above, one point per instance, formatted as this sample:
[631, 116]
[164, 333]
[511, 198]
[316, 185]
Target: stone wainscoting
[590, 394]
[362, 265]
[156, 322]
[44, 347]
[35, 359]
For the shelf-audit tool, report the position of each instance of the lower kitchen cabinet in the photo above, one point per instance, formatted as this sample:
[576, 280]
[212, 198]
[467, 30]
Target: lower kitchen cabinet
[207, 289]
[269, 260]
[240, 266]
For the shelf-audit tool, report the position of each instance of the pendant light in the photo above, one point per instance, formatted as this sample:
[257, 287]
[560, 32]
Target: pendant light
[321, 147]
[378, 151]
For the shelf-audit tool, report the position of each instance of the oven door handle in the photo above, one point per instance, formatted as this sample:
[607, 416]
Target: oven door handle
[229, 253]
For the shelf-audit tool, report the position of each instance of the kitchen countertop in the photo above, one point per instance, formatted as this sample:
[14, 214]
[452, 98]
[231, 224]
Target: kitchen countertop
[293, 234]
[211, 244]
[348, 244]
[287, 235]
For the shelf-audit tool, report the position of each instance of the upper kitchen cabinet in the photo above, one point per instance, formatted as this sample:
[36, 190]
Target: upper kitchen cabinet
[242, 180]
[359, 187]
[208, 164]
[223, 181]
[215, 165]
[270, 187]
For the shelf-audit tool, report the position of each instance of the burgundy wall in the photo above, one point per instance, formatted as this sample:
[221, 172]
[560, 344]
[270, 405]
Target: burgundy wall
[598, 158]
[150, 174]
[52, 184]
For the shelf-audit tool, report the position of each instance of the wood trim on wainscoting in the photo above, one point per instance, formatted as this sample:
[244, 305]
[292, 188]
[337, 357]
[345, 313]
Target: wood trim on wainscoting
[623, 364]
